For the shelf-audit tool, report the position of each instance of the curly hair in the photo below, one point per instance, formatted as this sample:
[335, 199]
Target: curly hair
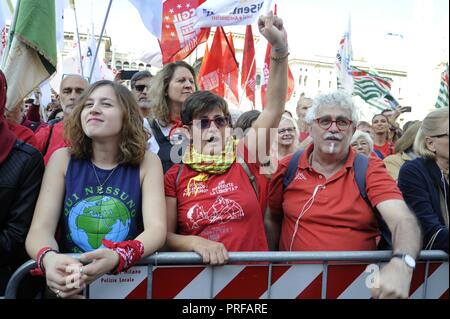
[337, 99]
[160, 87]
[133, 142]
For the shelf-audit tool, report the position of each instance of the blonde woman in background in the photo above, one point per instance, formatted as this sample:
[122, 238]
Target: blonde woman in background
[424, 181]
[403, 151]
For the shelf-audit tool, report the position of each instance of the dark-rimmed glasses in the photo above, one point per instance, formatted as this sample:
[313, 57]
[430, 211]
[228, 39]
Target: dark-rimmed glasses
[326, 122]
[281, 131]
[205, 123]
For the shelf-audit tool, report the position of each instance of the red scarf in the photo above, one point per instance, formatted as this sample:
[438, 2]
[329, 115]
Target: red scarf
[7, 138]
[176, 124]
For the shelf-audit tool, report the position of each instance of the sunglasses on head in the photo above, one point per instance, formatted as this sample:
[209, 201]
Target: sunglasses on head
[141, 87]
[205, 123]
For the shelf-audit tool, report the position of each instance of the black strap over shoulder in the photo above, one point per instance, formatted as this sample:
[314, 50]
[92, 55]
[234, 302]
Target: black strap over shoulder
[361, 164]
[251, 177]
[165, 147]
[48, 140]
[159, 136]
[292, 168]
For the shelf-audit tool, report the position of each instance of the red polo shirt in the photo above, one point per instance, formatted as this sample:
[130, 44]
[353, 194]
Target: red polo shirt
[337, 217]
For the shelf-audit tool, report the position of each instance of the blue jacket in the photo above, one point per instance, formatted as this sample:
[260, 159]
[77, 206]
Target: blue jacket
[419, 181]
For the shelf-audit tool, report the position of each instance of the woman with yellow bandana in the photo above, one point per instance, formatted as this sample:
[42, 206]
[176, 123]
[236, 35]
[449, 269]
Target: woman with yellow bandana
[212, 206]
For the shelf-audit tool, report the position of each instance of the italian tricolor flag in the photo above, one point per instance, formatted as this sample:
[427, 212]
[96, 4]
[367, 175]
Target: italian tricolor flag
[32, 48]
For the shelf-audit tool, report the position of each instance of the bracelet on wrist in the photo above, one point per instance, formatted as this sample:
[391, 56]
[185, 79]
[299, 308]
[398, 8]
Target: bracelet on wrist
[280, 58]
[130, 252]
[40, 270]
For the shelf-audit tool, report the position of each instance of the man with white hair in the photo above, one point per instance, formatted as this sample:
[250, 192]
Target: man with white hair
[322, 208]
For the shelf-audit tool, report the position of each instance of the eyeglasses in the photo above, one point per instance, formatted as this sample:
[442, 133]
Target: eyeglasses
[205, 123]
[360, 143]
[141, 87]
[281, 131]
[326, 122]
[440, 135]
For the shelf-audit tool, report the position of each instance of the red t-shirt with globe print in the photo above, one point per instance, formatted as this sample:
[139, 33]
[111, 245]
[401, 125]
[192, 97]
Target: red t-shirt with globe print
[224, 209]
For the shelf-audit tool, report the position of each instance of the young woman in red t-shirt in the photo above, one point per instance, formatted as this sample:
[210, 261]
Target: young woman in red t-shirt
[380, 127]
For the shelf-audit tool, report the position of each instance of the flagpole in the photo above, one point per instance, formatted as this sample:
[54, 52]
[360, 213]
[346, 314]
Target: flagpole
[246, 82]
[78, 37]
[11, 35]
[100, 40]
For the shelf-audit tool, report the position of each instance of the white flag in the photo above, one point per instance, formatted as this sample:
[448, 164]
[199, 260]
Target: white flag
[151, 15]
[60, 5]
[101, 71]
[343, 58]
[215, 13]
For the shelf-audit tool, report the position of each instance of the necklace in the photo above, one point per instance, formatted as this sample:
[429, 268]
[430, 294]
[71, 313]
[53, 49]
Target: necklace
[98, 180]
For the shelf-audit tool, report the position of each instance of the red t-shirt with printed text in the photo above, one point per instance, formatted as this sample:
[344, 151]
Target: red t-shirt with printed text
[339, 218]
[225, 208]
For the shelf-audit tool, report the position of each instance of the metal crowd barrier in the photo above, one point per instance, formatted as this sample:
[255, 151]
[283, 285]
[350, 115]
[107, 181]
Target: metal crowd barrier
[259, 275]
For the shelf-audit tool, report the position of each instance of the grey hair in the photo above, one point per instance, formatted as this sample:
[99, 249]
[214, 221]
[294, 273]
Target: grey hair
[285, 117]
[139, 76]
[336, 99]
[360, 134]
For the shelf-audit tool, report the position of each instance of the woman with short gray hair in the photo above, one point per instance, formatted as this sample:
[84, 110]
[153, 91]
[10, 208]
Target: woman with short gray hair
[362, 143]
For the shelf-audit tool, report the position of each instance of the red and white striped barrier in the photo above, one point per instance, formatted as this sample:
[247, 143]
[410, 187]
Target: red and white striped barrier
[299, 281]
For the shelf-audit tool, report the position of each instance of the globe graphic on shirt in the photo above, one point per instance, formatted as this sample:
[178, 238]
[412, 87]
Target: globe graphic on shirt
[96, 218]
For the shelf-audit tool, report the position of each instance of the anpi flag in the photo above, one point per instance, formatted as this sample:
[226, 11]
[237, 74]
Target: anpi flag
[219, 65]
[179, 38]
[101, 71]
[215, 13]
[32, 56]
[248, 75]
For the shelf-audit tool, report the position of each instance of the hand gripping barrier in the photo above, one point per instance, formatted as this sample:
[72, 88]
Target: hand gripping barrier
[260, 275]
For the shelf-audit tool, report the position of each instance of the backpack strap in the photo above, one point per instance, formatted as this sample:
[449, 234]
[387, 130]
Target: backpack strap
[379, 154]
[289, 175]
[180, 170]
[48, 140]
[360, 165]
[251, 177]
[159, 136]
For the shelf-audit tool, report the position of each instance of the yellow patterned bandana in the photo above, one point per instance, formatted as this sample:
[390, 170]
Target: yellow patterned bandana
[208, 164]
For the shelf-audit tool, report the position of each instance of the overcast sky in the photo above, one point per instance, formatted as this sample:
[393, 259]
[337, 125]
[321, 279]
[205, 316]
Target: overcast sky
[314, 27]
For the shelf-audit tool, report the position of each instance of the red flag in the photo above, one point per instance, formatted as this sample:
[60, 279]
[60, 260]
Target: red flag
[248, 75]
[266, 71]
[231, 87]
[204, 63]
[218, 66]
[179, 38]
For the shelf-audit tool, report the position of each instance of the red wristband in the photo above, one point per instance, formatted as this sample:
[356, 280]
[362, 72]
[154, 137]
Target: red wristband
[130, 252]
[39, 270]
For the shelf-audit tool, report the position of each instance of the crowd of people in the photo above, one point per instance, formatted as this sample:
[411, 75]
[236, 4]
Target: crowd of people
[164, 167]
